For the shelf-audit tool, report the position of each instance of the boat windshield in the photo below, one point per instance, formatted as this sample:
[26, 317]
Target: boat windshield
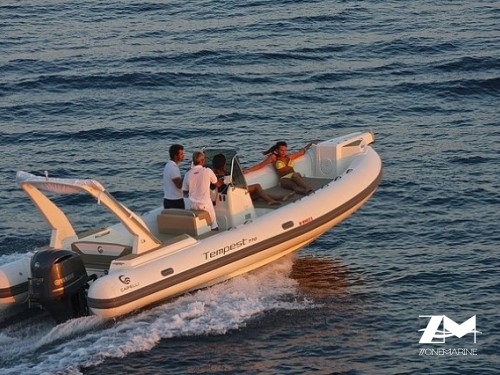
[238, 179]
[232, 168]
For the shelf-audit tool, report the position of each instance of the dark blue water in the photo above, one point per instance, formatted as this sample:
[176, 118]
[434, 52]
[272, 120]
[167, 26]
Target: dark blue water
[101, 89]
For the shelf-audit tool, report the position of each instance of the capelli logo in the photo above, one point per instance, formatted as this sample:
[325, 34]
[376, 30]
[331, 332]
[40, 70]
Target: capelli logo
[434, 335]
[124, 279]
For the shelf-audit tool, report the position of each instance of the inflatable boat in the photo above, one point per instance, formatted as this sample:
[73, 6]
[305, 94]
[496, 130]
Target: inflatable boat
[144, 259]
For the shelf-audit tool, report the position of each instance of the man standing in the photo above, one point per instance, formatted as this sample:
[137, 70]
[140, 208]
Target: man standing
[172, 181]
[196, 185]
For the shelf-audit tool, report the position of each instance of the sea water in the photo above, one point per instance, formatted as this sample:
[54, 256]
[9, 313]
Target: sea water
[102, 89]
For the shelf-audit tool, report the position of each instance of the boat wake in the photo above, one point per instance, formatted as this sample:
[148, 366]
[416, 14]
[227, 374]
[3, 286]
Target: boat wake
[35, 345]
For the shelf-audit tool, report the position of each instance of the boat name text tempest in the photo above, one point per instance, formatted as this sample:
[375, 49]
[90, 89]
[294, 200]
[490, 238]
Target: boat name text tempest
[226, 249]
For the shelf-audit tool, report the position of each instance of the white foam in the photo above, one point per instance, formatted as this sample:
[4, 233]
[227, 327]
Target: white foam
[8, 258]
[88, 341]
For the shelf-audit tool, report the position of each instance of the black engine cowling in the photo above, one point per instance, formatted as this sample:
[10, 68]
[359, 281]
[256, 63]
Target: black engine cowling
[58, 283]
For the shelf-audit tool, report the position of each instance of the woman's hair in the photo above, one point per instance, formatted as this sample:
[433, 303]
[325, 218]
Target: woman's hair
[275, 147]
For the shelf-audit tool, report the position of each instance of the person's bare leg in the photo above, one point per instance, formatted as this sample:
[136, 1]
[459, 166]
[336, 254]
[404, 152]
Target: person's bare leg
[289, 184]
[297, 178]
[256, 190]
[285, 197]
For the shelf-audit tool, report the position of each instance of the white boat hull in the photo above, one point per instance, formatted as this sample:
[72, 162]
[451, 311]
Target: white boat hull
[161, 270]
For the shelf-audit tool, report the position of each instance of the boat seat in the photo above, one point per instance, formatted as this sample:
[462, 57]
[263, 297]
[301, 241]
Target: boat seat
[179, 221]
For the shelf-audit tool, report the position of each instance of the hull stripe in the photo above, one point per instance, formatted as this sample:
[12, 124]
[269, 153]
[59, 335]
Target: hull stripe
[14, 290]
[239, 255]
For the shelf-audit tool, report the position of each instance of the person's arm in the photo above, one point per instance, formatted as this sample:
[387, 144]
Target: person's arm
[271, 158]
[219, 176]
[185, 185]
[213, 178]
[177, 182]
[301, 152]
[174, 174]
[220, 182]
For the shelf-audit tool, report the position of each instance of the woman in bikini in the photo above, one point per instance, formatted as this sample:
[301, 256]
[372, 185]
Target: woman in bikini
[283, 163]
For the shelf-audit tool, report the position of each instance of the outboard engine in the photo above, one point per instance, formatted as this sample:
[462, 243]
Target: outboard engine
[58, 284]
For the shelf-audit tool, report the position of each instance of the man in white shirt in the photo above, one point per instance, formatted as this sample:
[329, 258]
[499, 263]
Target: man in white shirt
[172, 180]
[196, 185]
